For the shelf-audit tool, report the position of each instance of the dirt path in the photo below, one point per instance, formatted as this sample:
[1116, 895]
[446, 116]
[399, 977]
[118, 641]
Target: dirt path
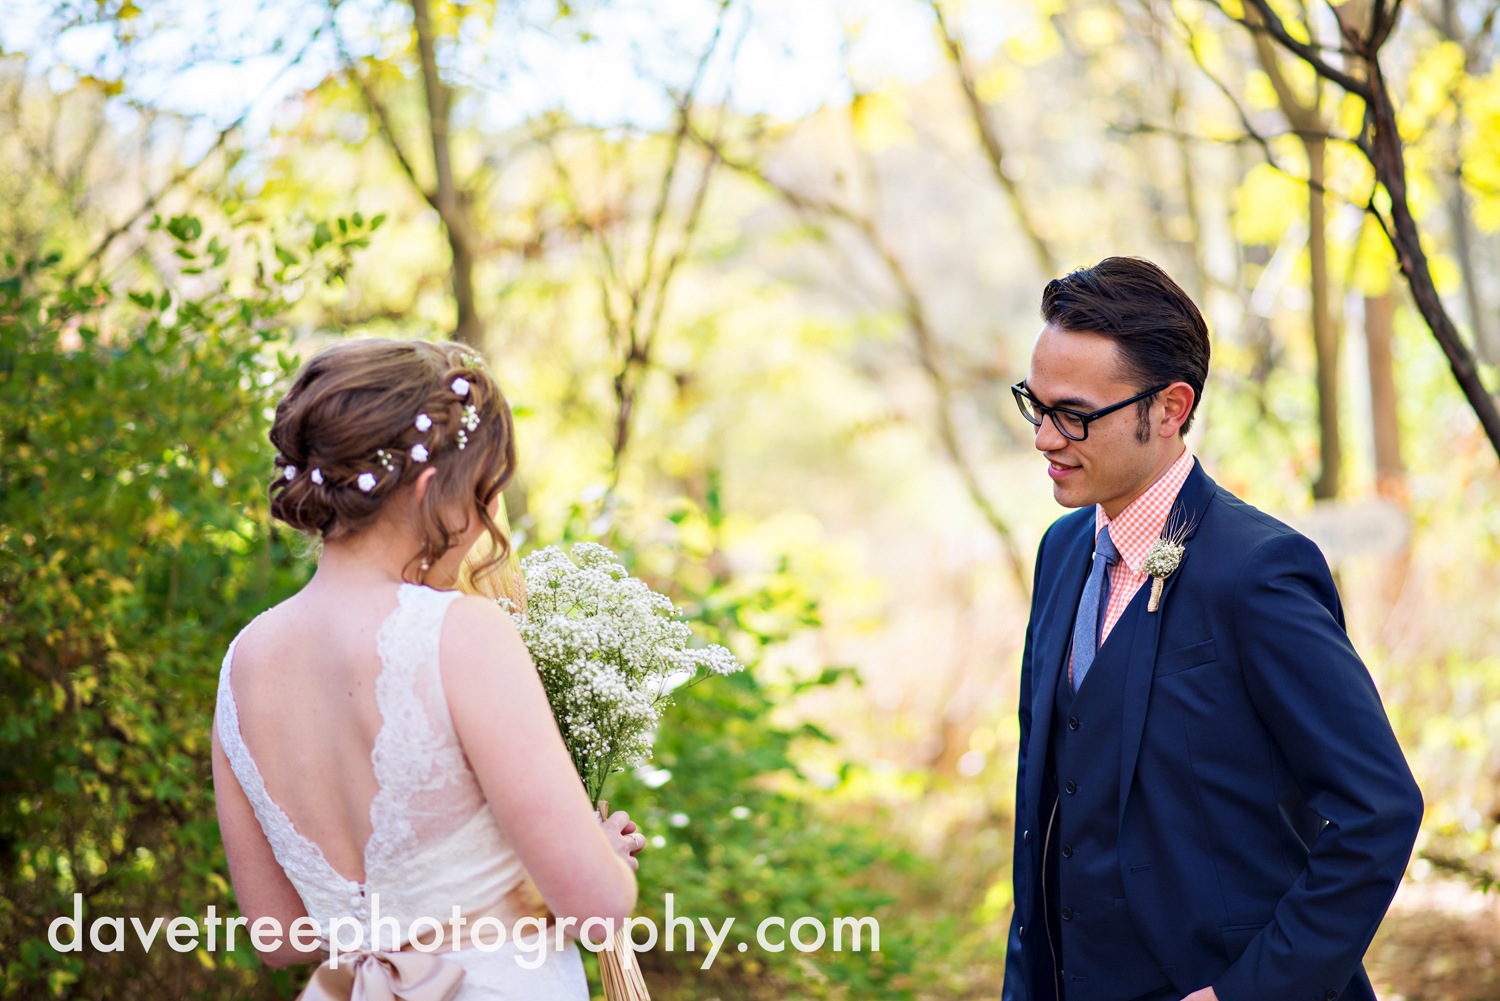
[1440, 942]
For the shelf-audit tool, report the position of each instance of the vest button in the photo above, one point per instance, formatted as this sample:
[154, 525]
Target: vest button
[1067, 914]
[1072, 722]
[1067, 851]
[1070, 788]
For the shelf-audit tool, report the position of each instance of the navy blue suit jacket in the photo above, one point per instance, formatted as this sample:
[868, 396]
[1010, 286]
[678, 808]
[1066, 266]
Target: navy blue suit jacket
[1266, 811]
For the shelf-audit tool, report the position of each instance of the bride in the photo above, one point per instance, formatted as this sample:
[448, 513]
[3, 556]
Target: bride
[385, 760]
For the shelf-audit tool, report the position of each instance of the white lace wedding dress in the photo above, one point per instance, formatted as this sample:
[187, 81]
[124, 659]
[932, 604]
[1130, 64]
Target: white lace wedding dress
[435, 843]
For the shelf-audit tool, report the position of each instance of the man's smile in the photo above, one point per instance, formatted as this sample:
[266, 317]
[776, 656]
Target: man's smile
[1058, 470]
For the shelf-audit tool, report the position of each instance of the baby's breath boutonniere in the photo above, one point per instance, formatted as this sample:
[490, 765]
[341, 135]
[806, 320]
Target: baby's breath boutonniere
[1164, 557]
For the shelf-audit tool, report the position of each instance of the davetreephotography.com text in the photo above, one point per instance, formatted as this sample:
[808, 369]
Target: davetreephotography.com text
[345, 936]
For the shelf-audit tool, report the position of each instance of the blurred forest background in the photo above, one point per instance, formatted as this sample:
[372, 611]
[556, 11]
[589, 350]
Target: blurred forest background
[756, 277]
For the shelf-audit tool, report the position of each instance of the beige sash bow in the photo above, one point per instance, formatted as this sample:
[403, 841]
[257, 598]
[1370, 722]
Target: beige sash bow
[385, 976]
[410, 975]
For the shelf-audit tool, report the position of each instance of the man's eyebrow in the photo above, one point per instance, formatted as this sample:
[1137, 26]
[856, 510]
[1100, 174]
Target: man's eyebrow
[1070, 402]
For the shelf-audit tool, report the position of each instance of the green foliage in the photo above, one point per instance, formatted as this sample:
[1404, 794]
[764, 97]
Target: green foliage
[736, 830]
[733, 845]
[135, 541]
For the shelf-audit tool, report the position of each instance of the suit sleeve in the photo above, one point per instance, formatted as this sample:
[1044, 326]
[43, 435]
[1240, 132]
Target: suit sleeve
[1315, 697]
[1015, 987]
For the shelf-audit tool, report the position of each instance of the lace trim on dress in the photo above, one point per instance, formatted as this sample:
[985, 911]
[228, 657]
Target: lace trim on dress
[416, 750]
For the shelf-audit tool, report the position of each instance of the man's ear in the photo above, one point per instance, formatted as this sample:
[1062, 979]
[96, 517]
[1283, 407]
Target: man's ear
[423, 482]
[1177, 402]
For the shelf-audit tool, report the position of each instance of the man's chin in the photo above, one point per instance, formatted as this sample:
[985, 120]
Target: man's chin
[1069, 495]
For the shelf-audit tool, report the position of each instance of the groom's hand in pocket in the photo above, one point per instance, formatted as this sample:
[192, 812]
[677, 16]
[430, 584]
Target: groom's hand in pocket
[624, 837]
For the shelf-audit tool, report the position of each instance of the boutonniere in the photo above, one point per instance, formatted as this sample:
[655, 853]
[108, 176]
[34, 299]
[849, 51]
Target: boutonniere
[1163, 558]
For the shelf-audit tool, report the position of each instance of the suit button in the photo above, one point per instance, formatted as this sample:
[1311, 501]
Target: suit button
[1025, 837]
[1021, 932]
[1067, 914]
[1072, 722]
[1330, 995]
[1070, 788]
[1067, 851]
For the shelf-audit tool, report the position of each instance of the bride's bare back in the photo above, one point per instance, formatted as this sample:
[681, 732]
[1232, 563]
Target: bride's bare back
[304, 680]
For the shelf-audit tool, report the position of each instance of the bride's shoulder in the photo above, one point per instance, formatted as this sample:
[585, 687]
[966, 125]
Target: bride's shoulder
[478, 635]
[472, 617]
[259, 632]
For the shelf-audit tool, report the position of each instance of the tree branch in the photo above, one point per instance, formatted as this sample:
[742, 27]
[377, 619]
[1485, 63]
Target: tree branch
[184, 173]
[152, 201]
[383, 121]
[989, 140]
[924, 341]
[1310, 54]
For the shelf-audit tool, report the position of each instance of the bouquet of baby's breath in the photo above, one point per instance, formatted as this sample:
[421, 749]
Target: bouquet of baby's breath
[610, 652]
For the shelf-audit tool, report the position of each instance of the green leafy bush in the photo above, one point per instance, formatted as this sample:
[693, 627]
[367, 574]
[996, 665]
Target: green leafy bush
[736, 831]
[134, 542]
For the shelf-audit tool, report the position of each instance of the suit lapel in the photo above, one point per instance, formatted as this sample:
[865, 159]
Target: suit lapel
[1192, 501]
[1064, 578]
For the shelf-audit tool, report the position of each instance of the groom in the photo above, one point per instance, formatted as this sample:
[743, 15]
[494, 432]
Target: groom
[1210, 802]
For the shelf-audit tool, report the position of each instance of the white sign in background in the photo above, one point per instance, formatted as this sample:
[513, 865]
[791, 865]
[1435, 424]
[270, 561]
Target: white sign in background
[1342, 529]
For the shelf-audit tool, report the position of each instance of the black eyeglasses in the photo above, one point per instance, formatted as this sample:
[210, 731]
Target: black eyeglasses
[1072, 424]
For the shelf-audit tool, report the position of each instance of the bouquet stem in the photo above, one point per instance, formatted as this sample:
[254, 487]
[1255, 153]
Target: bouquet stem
[618, 968]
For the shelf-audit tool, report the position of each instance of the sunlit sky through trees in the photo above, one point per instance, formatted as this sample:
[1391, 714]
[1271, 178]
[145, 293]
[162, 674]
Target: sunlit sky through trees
[218, 60]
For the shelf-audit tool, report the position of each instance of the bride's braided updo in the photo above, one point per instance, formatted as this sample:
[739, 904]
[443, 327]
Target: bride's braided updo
[365, 417]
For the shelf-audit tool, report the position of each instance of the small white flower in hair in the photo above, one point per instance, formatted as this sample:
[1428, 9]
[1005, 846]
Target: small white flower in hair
[419, 452]
[424, 423]
[461, 386]
[366, 482]
[290, 472]
[317, 477]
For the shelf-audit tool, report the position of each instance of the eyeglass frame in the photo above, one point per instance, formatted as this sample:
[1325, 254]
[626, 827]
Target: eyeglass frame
[1023, 393]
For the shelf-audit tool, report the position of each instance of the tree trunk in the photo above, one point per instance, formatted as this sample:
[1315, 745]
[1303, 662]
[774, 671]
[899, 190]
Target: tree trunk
[1486, 339]
[1463, 248]
[447, 200]
[1307, 121]
[1325, 331]
[1390, 471]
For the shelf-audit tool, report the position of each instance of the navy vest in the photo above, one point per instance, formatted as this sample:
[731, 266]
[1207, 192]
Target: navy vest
[1103, 957]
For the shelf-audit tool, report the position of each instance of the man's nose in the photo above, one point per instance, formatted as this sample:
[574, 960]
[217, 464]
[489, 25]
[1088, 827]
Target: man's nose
[1048, 438]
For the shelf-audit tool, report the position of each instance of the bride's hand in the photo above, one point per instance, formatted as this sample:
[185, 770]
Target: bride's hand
[624, 837]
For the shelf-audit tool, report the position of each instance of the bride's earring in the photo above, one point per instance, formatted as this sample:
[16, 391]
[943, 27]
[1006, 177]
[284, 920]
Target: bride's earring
[426, 566]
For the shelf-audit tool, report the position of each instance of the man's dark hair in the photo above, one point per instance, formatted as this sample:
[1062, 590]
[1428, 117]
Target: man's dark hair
[1160, 333]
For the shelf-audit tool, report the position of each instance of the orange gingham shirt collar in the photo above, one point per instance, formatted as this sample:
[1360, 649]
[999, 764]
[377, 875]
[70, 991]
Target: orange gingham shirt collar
[1132, 532]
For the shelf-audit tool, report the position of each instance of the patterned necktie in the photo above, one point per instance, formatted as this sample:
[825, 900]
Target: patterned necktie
[1095, 598]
